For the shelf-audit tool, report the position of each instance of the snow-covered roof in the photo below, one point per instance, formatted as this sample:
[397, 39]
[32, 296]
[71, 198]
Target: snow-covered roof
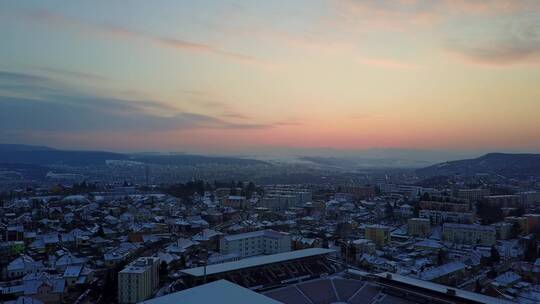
[257, 261]
[460, 293]
[221, 291]
[442, 270]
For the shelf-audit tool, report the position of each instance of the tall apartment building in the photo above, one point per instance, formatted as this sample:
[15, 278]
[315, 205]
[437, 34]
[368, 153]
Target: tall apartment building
[533, 222]
[278, 202]
[379, 234]
[256, 243]
[419, 227]
[473, 195]
[446, 206]
[503, 230]
[138, 280]
[359, 192]
[469, 234]
[503, 200]
[293, 196]
[438, 217]
[521, 221]
[235, 201]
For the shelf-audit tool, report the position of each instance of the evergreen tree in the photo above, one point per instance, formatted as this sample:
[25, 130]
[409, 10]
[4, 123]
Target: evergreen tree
[478, 286]
[495, 256]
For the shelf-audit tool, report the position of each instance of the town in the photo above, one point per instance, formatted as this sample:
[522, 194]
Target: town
[92, 243]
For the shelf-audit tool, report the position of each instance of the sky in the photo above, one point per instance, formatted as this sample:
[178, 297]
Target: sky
[234, 76]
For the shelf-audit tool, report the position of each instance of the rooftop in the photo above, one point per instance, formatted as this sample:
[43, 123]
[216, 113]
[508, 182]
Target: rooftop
[221, 291]
[256, 261]
[463, 294]
[258, 233]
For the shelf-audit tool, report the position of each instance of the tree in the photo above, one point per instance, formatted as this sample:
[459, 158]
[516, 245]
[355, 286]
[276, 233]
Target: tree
[531, 251]
[495, 256]
[488, 214]
[163, 272]
[100, 232]
[492, 273]
[516, 229]
[441, 257]
[325, 243]
[517, 212]
[416, 210]
[389, 211]
[478, 286]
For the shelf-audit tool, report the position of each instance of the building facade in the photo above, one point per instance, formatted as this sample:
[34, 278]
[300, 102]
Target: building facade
[256, 243]
[379, 234]
[418, 227]
[469, 234]
[138, 280]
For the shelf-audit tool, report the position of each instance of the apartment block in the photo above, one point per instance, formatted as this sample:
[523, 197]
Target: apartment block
[419, 227]
[379, 234]
[138, 280]
[469, 234]
[256, 243]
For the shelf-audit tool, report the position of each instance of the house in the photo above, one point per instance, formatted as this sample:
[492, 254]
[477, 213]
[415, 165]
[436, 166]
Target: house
[77, 275]
[448, 274]
[21, 266]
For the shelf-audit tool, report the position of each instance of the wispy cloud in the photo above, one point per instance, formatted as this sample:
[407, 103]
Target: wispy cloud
[71, 74]
[27, 107]
[123, 33]
[512, 44]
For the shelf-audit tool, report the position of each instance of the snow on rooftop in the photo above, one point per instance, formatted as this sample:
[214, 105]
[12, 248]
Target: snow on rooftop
[258, 233]
[221, 291]
[256, 261]
[464, 294]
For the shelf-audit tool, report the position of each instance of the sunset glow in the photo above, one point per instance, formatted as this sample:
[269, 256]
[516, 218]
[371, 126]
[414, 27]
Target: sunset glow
[229, 76]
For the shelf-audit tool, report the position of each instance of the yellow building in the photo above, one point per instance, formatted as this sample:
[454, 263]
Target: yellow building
[419, 227]
[379, 234]
[469, 234]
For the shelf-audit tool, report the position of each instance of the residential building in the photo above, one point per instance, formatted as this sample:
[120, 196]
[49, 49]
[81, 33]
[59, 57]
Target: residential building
[138, 280]
[503, 200]
[472, 195]
[438, 217]
[256, 243]
[418, 227]
[503, 230]
[235, 201]
[469, 234]
[520, 221]
[379, 234]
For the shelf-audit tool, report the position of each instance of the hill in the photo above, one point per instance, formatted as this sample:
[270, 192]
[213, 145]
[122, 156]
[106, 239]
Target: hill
[492, 163]
[193, 160]
[45, 156]
[54, 157]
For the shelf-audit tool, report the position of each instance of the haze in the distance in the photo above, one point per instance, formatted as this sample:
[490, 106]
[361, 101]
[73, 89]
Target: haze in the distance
[244, 76]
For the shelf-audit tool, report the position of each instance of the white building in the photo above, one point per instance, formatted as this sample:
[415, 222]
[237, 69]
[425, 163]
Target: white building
[138, 280]
[469, 234]
[256, 243]
[286, 196]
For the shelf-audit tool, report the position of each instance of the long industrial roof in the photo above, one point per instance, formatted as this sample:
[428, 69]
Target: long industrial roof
[256, 261]
[460, 293]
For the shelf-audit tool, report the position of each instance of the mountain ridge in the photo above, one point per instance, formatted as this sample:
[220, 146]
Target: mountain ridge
[506, 164]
